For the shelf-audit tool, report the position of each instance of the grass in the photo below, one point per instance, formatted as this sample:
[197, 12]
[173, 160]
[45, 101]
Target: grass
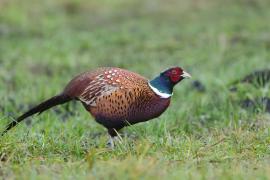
[203, 135]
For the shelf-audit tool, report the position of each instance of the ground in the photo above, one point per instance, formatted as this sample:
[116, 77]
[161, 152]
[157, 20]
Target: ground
[203, 135]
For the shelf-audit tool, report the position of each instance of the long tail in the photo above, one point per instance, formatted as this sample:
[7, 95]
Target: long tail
[54, 101]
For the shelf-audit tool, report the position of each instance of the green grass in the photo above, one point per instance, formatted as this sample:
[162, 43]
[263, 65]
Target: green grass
[43, 44]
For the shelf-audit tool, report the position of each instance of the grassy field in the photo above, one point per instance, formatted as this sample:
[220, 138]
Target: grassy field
[203, 135]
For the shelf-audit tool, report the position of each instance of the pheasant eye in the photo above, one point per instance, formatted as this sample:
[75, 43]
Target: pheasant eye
[174, 72]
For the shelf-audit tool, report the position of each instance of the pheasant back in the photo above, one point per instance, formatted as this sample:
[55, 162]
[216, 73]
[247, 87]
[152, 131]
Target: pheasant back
[117, 97]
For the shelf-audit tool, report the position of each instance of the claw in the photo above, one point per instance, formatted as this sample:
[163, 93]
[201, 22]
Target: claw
[112, 140]
[110, 143]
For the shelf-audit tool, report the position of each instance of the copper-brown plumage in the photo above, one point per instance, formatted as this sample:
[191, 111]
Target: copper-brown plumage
[115, 97]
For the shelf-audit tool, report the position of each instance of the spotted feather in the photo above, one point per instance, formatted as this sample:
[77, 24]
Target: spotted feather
[116, 97]
[108, 81]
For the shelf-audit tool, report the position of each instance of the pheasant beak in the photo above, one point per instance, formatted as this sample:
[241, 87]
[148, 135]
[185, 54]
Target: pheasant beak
[186, 75]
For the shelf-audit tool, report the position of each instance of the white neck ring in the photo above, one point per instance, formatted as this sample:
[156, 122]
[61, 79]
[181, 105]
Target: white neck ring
[157, 92]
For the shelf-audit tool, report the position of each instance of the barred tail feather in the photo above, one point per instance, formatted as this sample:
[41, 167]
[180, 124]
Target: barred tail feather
[54, 101]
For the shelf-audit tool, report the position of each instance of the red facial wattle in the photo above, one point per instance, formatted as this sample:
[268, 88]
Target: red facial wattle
[175, 78]
[174, 75]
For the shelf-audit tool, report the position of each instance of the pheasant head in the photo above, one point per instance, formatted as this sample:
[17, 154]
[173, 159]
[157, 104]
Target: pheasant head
[164, 83]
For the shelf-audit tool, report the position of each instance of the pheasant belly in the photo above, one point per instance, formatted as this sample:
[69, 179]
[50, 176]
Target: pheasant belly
[118, 112]
[148, 110]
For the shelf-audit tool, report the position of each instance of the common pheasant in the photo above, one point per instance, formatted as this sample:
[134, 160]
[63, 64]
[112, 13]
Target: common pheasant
[116, 97]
